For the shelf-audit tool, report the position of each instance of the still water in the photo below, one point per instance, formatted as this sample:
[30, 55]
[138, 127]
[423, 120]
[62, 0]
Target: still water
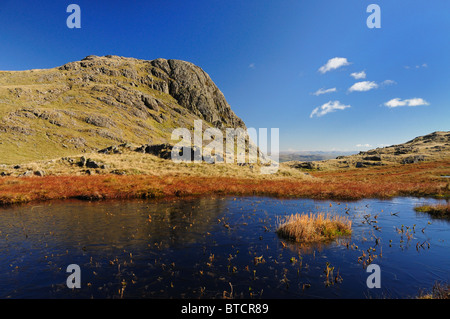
[216, 248]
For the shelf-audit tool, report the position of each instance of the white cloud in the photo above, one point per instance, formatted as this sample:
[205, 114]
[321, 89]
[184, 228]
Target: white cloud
[251, 65]
[417, 102]
[359, 75]
[408, 102]
[363, 145]
[333, 64]
[323, 91]
[363, 86]
[331, 106]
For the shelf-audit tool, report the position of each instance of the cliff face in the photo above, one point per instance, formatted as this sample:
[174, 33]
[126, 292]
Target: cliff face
[101, 101]
[194, 90]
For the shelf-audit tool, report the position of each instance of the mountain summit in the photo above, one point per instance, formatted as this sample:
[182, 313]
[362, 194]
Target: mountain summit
[100, 101]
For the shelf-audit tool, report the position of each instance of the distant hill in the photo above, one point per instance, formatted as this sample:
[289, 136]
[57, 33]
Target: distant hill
[308, 156]
[97, 102]
[431, 147]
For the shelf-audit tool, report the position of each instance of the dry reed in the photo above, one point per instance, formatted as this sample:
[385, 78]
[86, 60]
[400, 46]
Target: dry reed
[313, 227]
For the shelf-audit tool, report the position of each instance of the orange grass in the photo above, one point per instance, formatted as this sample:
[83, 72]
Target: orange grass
[314, 227]
[407, 180]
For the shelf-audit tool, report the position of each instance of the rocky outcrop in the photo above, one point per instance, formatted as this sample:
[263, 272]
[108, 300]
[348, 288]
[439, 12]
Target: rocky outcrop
[413, 159]
[161, 150]
[372, 158]
[190, 86]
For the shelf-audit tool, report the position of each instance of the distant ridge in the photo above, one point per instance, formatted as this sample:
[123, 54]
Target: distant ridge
[431, 147]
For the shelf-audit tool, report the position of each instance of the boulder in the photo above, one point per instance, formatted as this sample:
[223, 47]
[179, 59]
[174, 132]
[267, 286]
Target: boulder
[92, 164]
[304, 165]
[82, 161]
[39, 173]
[372, 158]
[413, 159]
[359, 164]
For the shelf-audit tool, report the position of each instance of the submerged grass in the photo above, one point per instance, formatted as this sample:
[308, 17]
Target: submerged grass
[441, 210]
[306, 228]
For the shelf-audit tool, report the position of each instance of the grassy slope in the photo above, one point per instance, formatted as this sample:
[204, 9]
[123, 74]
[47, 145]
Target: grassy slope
[65, 100]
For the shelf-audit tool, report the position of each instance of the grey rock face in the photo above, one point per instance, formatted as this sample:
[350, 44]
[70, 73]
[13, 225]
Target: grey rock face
[193, 89]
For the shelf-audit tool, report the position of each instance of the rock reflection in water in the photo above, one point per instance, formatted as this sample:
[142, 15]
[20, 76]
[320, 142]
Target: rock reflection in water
[38, 242]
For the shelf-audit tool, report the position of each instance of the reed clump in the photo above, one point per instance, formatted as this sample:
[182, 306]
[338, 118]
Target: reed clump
[308, 228]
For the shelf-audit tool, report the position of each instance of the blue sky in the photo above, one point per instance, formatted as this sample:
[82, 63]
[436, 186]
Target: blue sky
[266, 58]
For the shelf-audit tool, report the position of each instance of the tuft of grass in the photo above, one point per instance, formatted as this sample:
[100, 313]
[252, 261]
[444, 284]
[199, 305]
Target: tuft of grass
[306, 228]
[439, 210]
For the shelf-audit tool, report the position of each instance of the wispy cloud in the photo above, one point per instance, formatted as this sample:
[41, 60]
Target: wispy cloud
[326, 108]
[323, 91]
[363, 86]
[251, 65]
[363, 145]
[424, 65]
[359, 75]
[408, 102]
[388, 82]
[333, 64]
